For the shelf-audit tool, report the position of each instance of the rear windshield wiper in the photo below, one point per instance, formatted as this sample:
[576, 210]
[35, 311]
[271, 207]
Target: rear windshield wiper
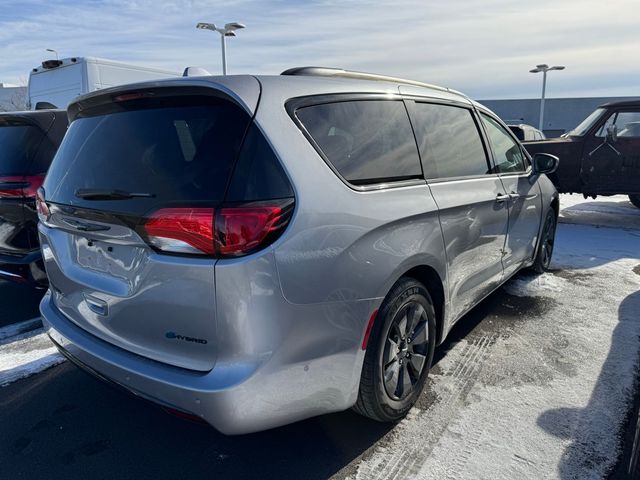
[104, 194]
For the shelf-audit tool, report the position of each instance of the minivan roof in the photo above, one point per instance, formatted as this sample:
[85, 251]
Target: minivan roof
[41, 118]
[246, 88]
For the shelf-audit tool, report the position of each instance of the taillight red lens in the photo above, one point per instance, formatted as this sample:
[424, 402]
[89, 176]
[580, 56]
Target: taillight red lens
[21, 186]
[242, 229]
[182, 230]
[230, 231]
[41, 206]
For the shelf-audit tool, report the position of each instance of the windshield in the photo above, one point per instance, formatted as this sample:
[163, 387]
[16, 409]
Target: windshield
[586, 124]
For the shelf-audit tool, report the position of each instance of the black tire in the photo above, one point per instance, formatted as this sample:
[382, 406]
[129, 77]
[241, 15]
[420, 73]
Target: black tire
[635, 199]
[378, 399]
[545, 247]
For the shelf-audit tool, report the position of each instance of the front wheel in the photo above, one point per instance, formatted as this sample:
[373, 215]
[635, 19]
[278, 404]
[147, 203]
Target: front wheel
[635, 199]
[399, 353]
[545, 247]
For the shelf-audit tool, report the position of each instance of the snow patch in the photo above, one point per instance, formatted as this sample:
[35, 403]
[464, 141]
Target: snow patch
[544, 285]
[25, 355]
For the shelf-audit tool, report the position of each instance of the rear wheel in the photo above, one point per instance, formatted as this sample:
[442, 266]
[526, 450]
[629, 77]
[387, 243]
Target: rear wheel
[399, 353]
[545, 248]
[635, 199]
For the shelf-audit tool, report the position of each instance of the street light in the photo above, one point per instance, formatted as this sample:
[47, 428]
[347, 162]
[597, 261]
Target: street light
[227, 31]
[53, 51]
[544, 68]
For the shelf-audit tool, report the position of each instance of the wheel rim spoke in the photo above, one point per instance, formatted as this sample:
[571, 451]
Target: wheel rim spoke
[391, 373]
[415, 313]
[402, 325]
[420, 335]
[417, 361]
[392, 351]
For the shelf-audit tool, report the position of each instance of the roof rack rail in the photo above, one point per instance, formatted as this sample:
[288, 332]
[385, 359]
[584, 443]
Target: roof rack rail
[339, 72]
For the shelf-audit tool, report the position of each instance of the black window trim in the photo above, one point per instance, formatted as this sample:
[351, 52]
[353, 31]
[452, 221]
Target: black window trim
[293, 104]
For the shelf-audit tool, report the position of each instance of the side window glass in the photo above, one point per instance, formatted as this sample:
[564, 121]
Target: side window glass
[627, 125]
[449, 141]
[506, 151]
[366, 141]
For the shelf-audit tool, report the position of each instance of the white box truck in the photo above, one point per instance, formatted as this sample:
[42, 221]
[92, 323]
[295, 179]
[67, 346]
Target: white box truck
[56, 83]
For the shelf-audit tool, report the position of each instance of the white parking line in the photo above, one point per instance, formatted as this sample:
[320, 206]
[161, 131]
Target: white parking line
[19, 328]
[25, 355]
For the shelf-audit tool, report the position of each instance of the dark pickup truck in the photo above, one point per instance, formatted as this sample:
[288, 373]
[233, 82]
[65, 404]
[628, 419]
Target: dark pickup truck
[601, 156]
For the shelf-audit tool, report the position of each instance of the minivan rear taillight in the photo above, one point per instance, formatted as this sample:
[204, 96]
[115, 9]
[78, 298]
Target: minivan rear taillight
[20, 186]
[41, 206]
[181, 230]
[229, 231]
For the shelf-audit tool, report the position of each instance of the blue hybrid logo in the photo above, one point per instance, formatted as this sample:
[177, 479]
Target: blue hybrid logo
[177, 336]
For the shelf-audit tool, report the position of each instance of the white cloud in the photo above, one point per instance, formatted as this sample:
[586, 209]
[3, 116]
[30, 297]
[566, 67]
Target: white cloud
[484, 48]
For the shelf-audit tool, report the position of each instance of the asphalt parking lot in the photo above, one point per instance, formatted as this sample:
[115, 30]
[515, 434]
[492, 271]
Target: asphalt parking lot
[537, 382]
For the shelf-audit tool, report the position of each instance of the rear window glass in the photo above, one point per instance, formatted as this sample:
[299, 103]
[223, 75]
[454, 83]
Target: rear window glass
[449, 141]
[19, 144]
[367, 141]
[181, 155]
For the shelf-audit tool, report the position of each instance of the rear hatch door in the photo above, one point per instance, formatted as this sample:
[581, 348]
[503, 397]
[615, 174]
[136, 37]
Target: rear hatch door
[131, 195]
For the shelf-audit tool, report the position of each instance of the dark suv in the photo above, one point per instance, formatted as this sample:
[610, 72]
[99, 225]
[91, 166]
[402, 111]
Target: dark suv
[28, 142]
[601, 156]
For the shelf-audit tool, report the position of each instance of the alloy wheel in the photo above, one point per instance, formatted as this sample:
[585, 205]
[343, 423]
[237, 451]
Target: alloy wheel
[405, 351]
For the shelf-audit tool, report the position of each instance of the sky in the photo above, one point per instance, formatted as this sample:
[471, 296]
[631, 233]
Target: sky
[483, 48]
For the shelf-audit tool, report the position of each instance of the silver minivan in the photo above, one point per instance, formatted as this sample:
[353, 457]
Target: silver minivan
[256, 250]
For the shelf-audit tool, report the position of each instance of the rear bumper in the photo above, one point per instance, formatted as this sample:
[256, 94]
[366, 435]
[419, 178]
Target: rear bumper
[238, 396]
[27, 269]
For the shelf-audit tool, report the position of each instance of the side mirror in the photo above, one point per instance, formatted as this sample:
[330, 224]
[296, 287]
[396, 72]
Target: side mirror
[545, 163]
[612, 134]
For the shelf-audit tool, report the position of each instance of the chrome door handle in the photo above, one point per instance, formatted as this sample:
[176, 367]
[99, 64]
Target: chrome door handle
[502, 198]
[514, 195]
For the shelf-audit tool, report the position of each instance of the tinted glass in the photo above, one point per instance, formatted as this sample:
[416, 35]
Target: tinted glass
[19, 145]
[627, 125]
[449, 141]
[180, 155]
[518, 132]
[507, 153]
[258, 174]
[367, 141]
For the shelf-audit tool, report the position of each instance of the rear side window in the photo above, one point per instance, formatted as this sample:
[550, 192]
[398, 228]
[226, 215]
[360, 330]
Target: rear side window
[507, 153]
[449, 141]
[366, 141]
[179, 155]
[19, 146]
[258, 174]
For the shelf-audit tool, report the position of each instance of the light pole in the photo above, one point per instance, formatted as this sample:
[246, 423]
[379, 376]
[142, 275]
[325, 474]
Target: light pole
[544, 68]
[227, 31]
[53, 51]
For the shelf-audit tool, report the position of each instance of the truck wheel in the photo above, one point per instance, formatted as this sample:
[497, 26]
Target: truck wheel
[635, 199]
[545, 248]
[399, 353]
